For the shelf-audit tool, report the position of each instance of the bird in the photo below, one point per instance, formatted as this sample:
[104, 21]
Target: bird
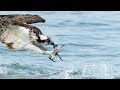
[17, 33]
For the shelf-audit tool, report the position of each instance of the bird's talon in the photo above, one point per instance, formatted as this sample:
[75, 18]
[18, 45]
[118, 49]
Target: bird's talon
[51, 59]
[55, 46]
[62, 46]
[55, 52]
[59, 57]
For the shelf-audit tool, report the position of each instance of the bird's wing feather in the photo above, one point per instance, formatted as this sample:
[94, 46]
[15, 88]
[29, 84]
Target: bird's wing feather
[28, 19]
[4, 22]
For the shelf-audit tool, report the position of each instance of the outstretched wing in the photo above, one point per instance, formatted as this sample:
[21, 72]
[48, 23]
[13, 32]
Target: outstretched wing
[28, 19]
[6, 23]
[12, 31]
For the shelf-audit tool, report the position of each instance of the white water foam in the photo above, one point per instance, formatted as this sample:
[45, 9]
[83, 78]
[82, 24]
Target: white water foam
[3, 70]
[98, 71]
[64, 74]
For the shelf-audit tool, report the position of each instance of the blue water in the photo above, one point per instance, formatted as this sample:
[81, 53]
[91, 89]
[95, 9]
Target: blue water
[91, 51]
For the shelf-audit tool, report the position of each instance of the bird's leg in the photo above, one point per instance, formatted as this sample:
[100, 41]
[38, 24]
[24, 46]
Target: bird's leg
[37, 49]
[52, 54]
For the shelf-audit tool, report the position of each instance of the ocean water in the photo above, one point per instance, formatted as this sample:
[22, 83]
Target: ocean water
[91, 51]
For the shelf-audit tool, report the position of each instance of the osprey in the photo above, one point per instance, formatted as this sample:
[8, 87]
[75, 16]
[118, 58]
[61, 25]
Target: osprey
[17, 34]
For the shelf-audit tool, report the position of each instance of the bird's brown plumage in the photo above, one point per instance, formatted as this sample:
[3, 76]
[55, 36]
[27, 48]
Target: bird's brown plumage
[21, 20]
[9, 22]
[27, 18]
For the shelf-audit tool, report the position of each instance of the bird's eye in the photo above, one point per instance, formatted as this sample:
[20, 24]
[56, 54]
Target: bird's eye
[38, 40]
[43, 41]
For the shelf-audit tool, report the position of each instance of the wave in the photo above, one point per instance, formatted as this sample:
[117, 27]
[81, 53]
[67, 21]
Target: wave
[86, 71]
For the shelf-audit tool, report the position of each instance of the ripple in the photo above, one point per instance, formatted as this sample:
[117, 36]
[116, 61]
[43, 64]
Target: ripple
[81, 45]
[89, 55]
[91, 23]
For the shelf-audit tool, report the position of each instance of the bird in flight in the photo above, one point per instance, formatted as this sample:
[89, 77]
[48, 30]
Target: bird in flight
[17, 34]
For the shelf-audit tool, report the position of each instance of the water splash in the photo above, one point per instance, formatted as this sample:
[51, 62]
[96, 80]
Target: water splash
[98, 71]
[62, 74]
[3, 71]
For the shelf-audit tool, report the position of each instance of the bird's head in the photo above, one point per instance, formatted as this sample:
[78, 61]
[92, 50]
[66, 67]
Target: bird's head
[45, 40]
[40, 39]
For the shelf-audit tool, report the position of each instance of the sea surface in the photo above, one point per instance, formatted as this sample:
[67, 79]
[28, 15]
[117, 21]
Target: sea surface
[91, 51]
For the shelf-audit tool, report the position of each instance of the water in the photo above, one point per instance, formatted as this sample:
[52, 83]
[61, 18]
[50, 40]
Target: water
[92, 47]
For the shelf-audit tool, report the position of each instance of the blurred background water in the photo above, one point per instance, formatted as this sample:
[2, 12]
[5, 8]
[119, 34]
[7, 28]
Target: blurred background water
[91, 51]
